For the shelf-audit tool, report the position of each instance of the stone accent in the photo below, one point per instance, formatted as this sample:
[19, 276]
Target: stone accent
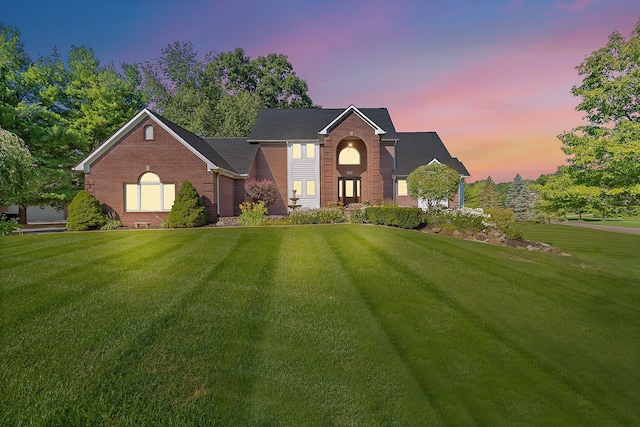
[493, 237]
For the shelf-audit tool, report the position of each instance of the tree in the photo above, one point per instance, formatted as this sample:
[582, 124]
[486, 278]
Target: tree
[61, 110]
[222, 95]
[520, 199]
[488, 197]
[605, 154]
[187, 209]
[559, 193]
[99, 99]
[433, 183]
[236, 114]
[17, 168]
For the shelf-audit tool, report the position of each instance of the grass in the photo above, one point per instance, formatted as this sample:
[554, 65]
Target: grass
[318, 325]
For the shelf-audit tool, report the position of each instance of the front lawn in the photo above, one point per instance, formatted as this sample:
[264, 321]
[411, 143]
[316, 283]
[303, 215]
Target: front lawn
[318, 325]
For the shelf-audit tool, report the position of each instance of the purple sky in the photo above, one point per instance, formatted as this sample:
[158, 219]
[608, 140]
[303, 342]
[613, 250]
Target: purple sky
[492, 77]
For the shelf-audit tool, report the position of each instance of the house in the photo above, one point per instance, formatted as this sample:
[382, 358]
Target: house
[326, 155]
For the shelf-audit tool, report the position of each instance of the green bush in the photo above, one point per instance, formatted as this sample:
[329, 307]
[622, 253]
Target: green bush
[85, 213]
[513, 234]
[317, 216]
[8, 225]
[501, 217]
[187, 209]
[112, 224]
[395, 216]
[462, 218]
[253, 213]
[355, 212]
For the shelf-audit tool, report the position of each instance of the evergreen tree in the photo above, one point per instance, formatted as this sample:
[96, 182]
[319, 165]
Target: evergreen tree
[520, 199]
[489, 197]
[187, 209]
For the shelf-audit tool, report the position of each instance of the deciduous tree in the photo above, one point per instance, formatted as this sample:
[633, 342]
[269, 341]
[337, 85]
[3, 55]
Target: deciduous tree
[17, 168]
[433, 183]
[605, 154]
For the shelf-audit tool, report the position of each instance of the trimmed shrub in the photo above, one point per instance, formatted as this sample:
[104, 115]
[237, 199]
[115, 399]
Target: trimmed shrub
[395, 216]
[253, 213]
[85, 213]
[317, 216]
[187, 209]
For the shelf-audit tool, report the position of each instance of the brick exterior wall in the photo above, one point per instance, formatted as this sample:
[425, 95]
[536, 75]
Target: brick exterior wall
[132, 156]
[271, 163]
[372, 186]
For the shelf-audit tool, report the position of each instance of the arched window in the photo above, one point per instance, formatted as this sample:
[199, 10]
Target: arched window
[349, 156]
[149, 195]
[148, 132]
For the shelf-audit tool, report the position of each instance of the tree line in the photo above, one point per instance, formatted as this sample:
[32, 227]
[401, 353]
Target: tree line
[602, 174]
[56, 110]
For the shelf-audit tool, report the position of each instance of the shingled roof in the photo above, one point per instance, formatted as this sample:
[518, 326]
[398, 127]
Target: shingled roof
[415, 149]
[198, 144]
[238, 153]
[292, 124]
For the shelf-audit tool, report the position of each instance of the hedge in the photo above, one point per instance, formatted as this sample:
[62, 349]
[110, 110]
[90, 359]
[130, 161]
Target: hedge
[395, 216]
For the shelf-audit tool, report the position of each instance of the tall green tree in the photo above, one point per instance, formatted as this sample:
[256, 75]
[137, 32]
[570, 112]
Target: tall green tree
[520, 199]
[17, 168]
[221, 95]
[433, 183]
[99, 98]
[13, 63]
[62, 110]
[558, 193]
[605, 153]
[488, 197]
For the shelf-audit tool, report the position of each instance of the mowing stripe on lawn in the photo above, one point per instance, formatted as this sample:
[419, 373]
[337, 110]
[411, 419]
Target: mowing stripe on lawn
[321, 345]
[375, 254]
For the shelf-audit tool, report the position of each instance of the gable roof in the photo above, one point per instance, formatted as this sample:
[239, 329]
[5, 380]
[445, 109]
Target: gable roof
[305, 124]
[238, 153]
[415, 149]
[198, 146]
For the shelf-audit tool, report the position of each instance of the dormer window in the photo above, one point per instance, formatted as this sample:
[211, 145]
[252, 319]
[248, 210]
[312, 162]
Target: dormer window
[148, 132]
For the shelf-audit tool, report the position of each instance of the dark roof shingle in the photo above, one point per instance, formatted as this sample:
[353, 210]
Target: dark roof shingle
[290, 124]
[415, 149]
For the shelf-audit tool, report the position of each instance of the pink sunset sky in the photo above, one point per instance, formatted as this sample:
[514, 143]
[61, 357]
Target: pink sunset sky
[492, 77]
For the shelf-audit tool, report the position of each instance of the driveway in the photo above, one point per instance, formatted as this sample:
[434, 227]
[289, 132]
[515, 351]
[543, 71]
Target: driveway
[613, 229]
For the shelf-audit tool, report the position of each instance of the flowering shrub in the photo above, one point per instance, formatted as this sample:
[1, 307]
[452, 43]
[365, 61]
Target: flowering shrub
[355, 212]
[475, 219]
[252, 213]
[262, 191]
[317, 216]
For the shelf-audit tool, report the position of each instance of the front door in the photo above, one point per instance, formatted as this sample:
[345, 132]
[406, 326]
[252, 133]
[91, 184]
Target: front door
[349, 190]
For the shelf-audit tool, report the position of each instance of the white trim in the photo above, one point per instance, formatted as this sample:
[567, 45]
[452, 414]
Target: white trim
[85, 164]
[435, 161]
[352, 109]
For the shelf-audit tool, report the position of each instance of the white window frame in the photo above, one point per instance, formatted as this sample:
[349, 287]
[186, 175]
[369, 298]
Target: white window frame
[164, 189]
